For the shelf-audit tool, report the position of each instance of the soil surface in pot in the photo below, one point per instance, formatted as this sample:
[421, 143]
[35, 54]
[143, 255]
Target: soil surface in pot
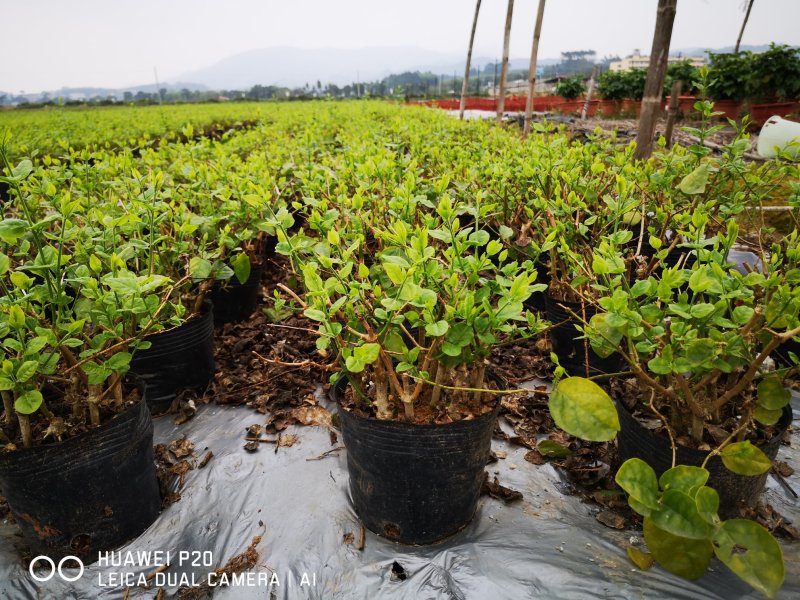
[65, 424]
[452, 406]
[634, 398]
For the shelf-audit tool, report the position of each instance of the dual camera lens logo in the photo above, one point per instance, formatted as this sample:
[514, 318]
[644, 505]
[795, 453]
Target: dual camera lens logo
[54, 569]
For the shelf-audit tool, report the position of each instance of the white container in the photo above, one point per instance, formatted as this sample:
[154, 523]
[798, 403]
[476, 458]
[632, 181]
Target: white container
[778, 133]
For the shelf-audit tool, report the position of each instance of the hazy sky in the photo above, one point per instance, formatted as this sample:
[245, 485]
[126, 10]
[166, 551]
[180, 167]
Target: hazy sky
[47, 44]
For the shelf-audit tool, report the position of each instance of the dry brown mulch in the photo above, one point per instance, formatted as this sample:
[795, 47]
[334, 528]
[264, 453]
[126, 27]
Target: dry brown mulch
[269, 366]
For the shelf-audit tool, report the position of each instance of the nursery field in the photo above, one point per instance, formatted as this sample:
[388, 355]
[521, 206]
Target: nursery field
[56, 130]
[358, 349]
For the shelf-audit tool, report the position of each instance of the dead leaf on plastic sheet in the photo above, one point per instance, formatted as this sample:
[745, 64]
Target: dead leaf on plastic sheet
[611, 519]
[252, 446]
[783, 469]
[535, 458]
[287, 440]
[348, 539]
[181, 447]
[208, 456]
[499, 492]
[312, 415]
[643, 560]
[522, 440]
[254, 430]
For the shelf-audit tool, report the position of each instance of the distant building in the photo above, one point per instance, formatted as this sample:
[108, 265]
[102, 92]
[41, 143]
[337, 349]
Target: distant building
[520, 87]
[637, 61]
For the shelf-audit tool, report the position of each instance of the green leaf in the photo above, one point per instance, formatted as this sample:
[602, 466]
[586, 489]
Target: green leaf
[552, 449]
[16, 318]
[603, 338]
[771, 393]
[26, 370]
[6, 384]
[199, 268]
[437, 329]
[742, 314]
[96, 374]
[29, 402]
[643, 560]
[707, 501]
[702, 310]
[583, 409]
[12, 229]
[683, 478]
[661, 365]
[638, 479]
[95, 264]
[119, 363]
[460, 334]
[767, 417]
[5, 264]
[695, 182]
[367, 353]
[241, 267]
[749, 550]
[395, 272]
[315, 314]
[680, 556]
[679, 516]
[745, 459]
[700, 352]
[22, 170]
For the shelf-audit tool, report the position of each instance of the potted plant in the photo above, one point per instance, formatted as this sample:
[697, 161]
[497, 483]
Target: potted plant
[570, 89]
[410, 335]
[696, 342]
[634, 90]
[76, 452]
[729, 81]
[685, 72]
[775, 82]
[612, 87]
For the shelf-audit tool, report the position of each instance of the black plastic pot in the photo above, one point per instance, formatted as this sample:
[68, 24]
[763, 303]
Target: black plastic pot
[86, 494]
[180, 358]
[234, 301]
[415, 484]
[575, 354]
[636, 441]
[268, 246]
[781, 353]
[536, 301]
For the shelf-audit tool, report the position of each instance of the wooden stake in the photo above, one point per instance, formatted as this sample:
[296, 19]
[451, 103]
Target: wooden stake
[537, 32]
[464, 85]
[589, 91]
[744, 24]
[656, 72]
[501, 99]
[672, 115]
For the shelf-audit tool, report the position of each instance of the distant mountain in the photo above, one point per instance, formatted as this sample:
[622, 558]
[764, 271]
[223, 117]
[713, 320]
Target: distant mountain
[295, 67]
[701, 51]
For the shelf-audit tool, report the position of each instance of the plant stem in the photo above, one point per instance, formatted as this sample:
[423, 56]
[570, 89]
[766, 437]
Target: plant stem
[25, 430]
[8, 406]
[93, 400]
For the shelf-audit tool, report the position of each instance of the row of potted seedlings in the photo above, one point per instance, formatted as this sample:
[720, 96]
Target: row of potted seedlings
[639, 283]
[422, 244]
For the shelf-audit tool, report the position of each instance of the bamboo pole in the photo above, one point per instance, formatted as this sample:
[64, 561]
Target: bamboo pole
[464, 88]
[672, 114]
[744, 24]
[585, 109]
[537, 32]
[501, 100]
[656, 72]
